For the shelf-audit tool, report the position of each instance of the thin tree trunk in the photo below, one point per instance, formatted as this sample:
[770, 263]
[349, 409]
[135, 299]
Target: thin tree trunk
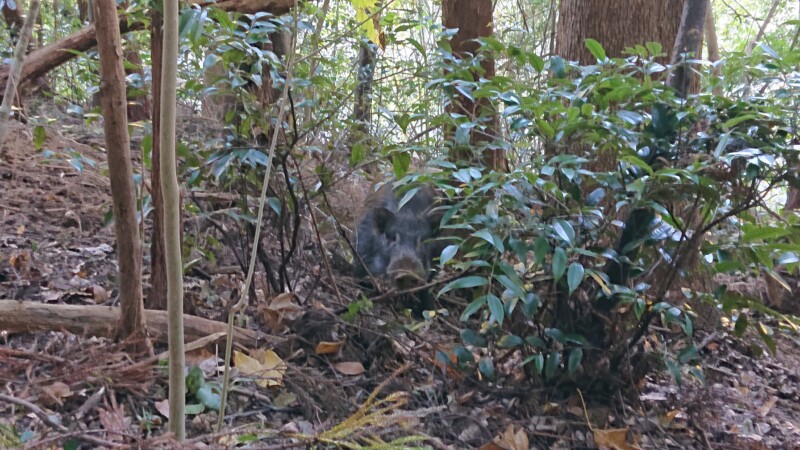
[711, 36]
[172, 222]
[157, 297]
[16, 70]
[687, 45]
[713, 46]
[138, 103]
[772, 10]
[115, 127]
[365, 67]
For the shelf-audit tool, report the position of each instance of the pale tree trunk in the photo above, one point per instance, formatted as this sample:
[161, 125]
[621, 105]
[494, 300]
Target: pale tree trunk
[473, 18]
[115, 127]
[172, 222]
[16, 70]
[157, 297]
[711, 36]
[761, 30]
[687, 44]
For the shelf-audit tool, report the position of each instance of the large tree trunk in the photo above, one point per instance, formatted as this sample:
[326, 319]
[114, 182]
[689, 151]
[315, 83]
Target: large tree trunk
[616, 24]
[473, 19]
[115, 127]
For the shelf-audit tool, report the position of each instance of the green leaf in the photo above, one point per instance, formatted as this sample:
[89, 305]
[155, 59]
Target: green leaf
[496, 308]
[741, 325]
[753, 233]
[39, 137]
[447, 254]
[473, 307]
[551, 366]
[540, 250]
[559, 263]
[675, 371]
[564, 230]
[575, 358]
[194, 380]
[574, 276]
[400, 163]
[510, 341]
[486, 367]
[596, 49]
[737, 120]
[538, 362]
[464, 283]
[357, 154]
[194, 409]
[408, 196]
[368, 23]
[487, 236]
[209, 398]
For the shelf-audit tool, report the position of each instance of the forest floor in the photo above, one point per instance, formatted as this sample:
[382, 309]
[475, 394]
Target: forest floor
[59, 389]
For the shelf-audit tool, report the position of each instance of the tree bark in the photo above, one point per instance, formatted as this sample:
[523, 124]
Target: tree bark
[31, 317]
[172, 221]
[47, 58]
[138, 103]
[365, 74]
[16, 69]
[51, 56]
[616, 24]
[115, 127]
[157, 297]
[14, 20]
[473, 18]
[688, 43]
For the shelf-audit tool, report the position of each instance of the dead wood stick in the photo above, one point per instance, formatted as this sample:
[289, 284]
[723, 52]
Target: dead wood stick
[44, 417]
[27, 316]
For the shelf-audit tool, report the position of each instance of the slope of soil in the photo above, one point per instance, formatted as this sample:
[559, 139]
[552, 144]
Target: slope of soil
[59, 388]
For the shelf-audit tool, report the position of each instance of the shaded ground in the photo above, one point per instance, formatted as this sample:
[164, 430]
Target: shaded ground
[58, 387]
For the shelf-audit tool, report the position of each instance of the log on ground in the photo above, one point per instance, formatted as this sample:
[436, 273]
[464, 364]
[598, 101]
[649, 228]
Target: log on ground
[27, 316]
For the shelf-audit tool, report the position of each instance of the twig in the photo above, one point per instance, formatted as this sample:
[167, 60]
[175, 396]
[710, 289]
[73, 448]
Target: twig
[45, 418]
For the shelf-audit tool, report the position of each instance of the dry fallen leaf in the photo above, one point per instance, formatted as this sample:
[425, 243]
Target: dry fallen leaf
[54, 393]
[349, 368]
[281, 309]
[114, 422]
[509, 440]
[329, 348]
[99, 295]
[265, 366]
[613, 439]
[163, 407]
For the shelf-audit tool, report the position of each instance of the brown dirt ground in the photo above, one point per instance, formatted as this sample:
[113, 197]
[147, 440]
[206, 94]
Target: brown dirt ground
[58, 387]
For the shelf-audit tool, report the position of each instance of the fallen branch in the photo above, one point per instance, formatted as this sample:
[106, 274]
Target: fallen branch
[27, 317]
[47, 420]
[49, 57]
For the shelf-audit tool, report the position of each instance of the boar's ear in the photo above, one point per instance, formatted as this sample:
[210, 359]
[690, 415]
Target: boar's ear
[382, 218]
